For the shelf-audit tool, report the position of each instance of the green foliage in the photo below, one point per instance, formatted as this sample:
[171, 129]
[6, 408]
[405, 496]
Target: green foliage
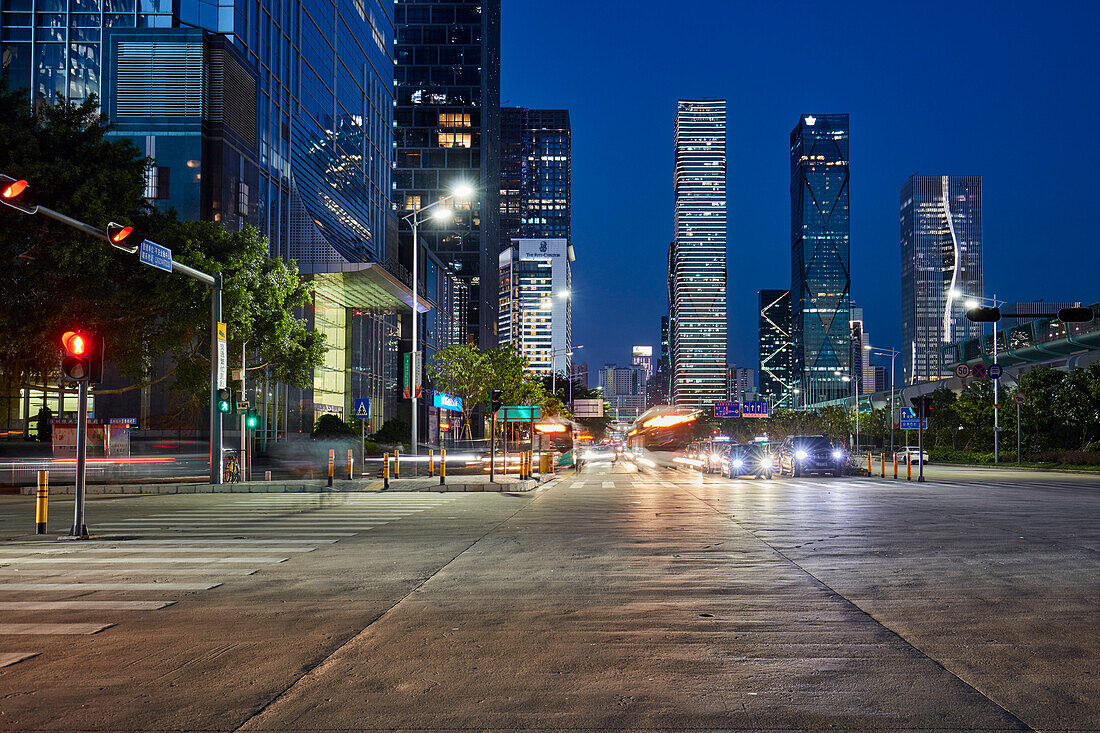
[42, 427]
[56, 277]
[331, 426]
[371, 448]
[393, 431]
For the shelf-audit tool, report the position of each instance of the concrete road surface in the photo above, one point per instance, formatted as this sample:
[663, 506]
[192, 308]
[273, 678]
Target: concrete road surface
[619, 598]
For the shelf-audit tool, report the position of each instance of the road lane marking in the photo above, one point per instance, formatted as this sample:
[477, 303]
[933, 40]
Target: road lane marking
[76, 585]
[43, 628]
[9, 658]
[111, 573]
[608, 484]
[144, 560]
[88, 550]
[81, 605]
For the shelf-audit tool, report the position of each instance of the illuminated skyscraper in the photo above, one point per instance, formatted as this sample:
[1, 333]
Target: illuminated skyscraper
[941, 266]
[697, 259]
[535, 173]
[777, 380]
[820, 240]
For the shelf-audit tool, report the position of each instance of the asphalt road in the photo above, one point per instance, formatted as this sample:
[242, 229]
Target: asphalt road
[619, 598]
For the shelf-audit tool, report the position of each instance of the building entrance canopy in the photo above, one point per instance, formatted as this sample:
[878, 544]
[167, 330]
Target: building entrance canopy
[366, 286]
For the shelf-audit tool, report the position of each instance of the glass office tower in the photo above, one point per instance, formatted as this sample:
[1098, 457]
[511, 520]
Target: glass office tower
[820, 241]
[777, 379]
[535, 173]
[697, 259]
[272, 114]
[448, 133]
[941, 266]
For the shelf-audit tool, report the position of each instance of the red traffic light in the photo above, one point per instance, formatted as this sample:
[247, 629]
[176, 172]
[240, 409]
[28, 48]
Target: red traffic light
[82, 356]
[14, 189]
[74, 343]
[17, 193]
[124, 237]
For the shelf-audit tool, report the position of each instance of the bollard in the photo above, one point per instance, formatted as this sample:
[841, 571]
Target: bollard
[882, 464]
[267, 475]
[870, 470]
[40, 502]
[331, 464]
[351, 473]
[431, 462]
[442, 466]
[908, 466]
[895, 466]
[396, 463]
[385, 471]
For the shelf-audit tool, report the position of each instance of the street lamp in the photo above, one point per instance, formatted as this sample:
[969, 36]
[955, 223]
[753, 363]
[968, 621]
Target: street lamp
[554, 372]
[973, 301]
[462, 191]
[893, 387]
[855, 400]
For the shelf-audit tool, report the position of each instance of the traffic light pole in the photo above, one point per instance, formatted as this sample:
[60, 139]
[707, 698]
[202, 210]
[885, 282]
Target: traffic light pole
[215, 414]
[79, 530]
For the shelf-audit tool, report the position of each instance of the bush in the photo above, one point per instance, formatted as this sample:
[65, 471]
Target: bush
[331, 426]
[371, 449]
[393, 431]
[1071, 457]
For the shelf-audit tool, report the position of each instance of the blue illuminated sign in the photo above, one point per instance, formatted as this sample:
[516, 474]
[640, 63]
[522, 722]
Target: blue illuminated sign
[447, 402]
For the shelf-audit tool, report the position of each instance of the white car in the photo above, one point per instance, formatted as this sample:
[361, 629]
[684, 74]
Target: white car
[913, 453]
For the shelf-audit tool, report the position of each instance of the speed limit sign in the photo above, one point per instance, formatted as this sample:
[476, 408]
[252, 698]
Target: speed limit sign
[962, 371]
[1019, 398]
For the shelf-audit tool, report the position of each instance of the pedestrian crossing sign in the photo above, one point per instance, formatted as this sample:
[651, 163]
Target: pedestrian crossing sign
[362, 409]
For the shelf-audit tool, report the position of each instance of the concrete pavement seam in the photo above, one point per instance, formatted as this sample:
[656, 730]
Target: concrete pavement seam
[856, 606]
[320, 666]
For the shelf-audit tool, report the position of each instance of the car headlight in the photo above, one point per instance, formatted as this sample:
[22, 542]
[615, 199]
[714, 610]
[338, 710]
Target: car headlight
[838, 454]
[766, 462]
[714, 456]
[737, 463]
[800, 455]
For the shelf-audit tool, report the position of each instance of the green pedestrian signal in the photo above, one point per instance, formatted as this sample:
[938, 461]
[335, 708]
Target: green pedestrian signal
[252, 420]
[225, 400]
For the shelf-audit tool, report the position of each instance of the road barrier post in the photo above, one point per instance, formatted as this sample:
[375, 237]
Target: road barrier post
[267, 475]
[431, 463]
[442, 466]
[396, 463]
[385, 471]
[331, 464]
[351, 462]
[882, 464]
[908, 466]
[870, 470]
[895, 466]
[40, 502]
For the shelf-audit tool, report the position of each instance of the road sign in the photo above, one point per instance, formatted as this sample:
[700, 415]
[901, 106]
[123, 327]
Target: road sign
[154, 255]
[1019, 398]
[913, 423]
[995, 371]
[519, 413]
[727, 409]
[361, 410]
[979, 371]
[414, 367]
[588, 408]
[447, 402]
[242, 406]
[754, 409]
[962, 371]
[223, 355]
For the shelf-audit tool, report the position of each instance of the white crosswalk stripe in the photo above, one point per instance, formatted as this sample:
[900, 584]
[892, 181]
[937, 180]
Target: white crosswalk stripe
[175, 552]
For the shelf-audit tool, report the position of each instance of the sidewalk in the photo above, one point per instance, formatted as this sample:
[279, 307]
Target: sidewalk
[418, 483]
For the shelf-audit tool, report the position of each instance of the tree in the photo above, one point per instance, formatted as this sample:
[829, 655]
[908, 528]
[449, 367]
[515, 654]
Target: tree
[461, 370]
[331, 426]
[57, 277]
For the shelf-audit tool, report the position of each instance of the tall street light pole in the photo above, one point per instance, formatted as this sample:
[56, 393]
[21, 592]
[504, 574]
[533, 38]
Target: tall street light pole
[893, 387]
[974, 302]
[416, 218]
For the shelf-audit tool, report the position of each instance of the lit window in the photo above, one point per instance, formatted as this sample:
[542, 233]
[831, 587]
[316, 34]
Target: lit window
[454, 119]
[455, 139]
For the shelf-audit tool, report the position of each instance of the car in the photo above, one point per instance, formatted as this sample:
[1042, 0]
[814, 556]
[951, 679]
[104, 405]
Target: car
[600, 452]
[803, 454]
[747, 459]
[913, 453]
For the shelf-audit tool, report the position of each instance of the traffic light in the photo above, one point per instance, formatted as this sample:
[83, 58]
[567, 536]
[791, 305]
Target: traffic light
[82, 356]
[17, 194]
[126, 238]
[252, 420]
[225, 400]
[983, 315]
[1075, 315]
[926, 399]
[496, 400]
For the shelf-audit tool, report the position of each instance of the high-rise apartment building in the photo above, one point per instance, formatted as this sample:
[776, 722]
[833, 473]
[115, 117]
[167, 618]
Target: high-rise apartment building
[862, 374]
[697, 258]
[658, 390]
[642, 357]
[740, 384]
[254, 117]
[941, 267]
[820, 241]
[448, 133]
[777, 379]
[624, 388]
[535, 313]
[535, 173]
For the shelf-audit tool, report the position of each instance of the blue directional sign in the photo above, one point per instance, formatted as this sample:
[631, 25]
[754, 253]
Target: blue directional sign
[361, 409]
[754, 409]
[912, 423]
[154, 255]
[727, 409]
[447, 402]
[995, 371]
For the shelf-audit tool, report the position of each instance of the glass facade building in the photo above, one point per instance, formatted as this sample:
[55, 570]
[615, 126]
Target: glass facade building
[256, 112]
[697, 259]
[820, 256]
[941, 267]
[447, 134]
[776, 374]
[535, 314]
[535, 173]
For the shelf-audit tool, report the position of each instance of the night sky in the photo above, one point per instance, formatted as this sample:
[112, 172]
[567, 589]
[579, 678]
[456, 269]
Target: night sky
[1004, 90]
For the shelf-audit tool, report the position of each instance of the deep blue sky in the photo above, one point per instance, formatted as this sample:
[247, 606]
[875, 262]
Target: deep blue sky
[1005, 90]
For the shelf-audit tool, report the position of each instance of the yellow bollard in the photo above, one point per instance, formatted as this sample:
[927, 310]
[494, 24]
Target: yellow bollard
[40, 502]
[351, 473]
[895, 465]
[385, 470]
[431, 462]
[882, 464]
[331, 464]
[908, 466]
[870, 471]
[442, 466]
[396, 463]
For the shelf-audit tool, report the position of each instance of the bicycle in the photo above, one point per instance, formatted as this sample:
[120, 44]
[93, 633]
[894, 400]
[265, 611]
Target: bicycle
[231, 471]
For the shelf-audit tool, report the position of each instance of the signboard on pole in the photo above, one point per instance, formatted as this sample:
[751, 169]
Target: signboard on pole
[447, 402]
[361, 410]
[519, 413]
[413, 369]
[588, 408]
[223, 355]
[979, 371]
[912, 422]
[154, 255]
[727, 409]
[754, 409]
[1019, 398]
[995, 371]
[962, 371]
